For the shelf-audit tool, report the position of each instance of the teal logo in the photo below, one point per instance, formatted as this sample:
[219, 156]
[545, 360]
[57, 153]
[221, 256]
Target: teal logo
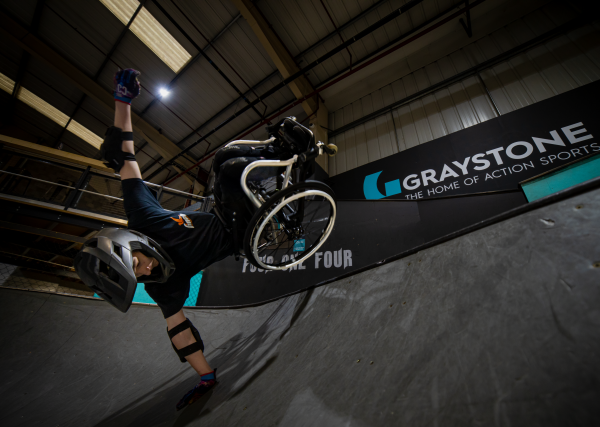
[299, 245]
[371, 191]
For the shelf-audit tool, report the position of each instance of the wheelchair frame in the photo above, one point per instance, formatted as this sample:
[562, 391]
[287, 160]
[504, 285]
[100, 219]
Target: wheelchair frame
[258, 201]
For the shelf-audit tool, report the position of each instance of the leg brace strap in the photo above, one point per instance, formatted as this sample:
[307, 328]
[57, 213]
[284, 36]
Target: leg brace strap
[110, 150]
[126, 136]
[190, 349]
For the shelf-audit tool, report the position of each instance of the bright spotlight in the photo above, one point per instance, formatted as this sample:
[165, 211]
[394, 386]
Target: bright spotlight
[163, 92]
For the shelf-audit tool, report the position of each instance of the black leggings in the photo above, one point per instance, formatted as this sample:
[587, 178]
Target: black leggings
[229, 165]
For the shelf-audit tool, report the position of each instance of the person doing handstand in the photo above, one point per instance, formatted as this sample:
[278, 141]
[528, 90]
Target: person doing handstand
[162, 249]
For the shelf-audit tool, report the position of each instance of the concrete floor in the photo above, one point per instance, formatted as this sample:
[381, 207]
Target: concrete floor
[498, 327]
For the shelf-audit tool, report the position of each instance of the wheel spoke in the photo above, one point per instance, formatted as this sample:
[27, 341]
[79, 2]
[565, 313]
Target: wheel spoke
[275, 250]
[277, 238]
[269, 242]
[313, 217]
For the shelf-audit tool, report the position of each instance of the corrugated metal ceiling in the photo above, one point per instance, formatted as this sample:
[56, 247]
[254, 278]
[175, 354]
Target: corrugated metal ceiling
[554, 67]
[301, 24]
[85, 31]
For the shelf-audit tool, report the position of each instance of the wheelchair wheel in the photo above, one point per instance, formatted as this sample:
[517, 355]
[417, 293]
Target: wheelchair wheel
[290, 226]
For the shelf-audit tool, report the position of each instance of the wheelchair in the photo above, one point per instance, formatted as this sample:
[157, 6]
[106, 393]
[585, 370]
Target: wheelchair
[288, 216]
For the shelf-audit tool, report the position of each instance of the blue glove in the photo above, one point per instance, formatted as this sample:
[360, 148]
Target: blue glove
[127, 85]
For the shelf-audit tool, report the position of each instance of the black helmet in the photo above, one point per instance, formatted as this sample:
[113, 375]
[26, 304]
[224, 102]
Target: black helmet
[105, 264]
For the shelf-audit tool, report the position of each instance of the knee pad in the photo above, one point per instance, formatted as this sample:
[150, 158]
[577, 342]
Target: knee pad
[110, 150]
[190, 349]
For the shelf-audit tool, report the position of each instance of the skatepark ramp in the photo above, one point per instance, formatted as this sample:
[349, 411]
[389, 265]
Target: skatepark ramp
[498, 326]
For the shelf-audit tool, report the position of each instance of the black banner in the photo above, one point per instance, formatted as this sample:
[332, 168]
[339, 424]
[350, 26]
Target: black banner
[365, 233]
[491, 156]
[495, 155]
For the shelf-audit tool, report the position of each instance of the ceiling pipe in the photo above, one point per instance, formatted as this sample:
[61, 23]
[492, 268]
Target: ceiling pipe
[349, 73]
[172, 82]
[342, 27]
[25, 56]
[297, 58]
[192, 61]
[209, 43]
[29, 123]
[336, 29]
[117, 65]
[210, 61]
[475, 70]
[107, 58]
[276, 72]
[391, 16]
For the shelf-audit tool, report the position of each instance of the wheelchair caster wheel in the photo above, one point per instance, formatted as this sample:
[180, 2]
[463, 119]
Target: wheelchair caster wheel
[334, 148]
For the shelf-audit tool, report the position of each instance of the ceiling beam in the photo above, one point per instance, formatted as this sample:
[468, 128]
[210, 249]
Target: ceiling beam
[277, 52]
[35, 23]
[298, 58]
[100, 69]
[388, 18]
[152, 162]
[301, 87]
[190, 63]
[53, 153]
[36, 47]
[204, 54]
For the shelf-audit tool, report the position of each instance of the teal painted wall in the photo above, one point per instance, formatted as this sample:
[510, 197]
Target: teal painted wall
[568, 177]
[142, 296]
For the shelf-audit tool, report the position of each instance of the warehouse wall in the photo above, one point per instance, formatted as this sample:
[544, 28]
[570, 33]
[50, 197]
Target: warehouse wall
[556, 66]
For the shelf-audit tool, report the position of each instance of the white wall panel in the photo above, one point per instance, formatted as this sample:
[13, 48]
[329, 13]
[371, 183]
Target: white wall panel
[554, 67]
[385, 128]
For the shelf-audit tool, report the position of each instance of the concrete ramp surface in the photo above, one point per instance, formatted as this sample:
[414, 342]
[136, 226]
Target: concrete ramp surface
[498, 327]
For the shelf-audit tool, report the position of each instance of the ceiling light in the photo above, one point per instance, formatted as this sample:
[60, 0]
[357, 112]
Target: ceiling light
[85, 134]
[59, 117]
[150, 32]
[51, 112]
[163, 92]
[42, 106]
[6, 84]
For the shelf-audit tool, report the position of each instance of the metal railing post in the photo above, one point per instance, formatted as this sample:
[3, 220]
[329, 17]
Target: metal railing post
[82, 179]
[2, 152]
[83, 187]
[159, 193]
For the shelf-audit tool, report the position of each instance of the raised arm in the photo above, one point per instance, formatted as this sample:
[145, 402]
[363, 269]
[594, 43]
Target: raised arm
[118, 149]
[130, 168]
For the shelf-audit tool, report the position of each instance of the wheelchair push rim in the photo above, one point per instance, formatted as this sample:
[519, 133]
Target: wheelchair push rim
[267, 218]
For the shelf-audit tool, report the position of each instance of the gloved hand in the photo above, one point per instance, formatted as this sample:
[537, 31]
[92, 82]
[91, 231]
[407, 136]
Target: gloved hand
[196, 393]
[127, 85]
